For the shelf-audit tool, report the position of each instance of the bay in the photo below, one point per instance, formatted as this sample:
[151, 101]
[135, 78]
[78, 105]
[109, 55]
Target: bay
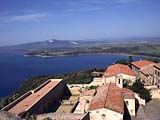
[15, 67]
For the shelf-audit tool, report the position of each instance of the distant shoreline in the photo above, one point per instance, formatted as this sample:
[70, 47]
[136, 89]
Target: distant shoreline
[124, 54]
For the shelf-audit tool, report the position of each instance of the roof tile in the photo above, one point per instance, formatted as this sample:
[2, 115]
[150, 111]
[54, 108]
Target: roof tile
[118, 68]
[111, 97]
[142, 63]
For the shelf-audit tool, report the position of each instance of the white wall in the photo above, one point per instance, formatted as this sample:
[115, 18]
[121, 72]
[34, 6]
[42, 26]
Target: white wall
[109, 79]
[96, 81]
[130, 106]
[105, 114]
[128, 77]
[112, 79]
[140, 100]
[155, 93]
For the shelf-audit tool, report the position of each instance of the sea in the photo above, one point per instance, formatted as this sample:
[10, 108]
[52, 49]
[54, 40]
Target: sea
[15, 67]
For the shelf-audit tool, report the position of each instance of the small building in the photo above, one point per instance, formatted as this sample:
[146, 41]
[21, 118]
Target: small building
[117, 73]
[147, 71]
[84, 100]
[111, 103]
[137, 65]
[46, 98]
[147, 74]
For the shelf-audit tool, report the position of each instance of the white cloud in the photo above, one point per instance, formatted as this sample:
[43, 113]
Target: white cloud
[23, 18]
[85, 5]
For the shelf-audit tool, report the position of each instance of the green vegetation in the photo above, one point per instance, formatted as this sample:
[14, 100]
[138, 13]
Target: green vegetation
[126, 83]
[146, 49]
[125, 62]
[122, 61]
[138, 87]
[81, 77]
[92, 87]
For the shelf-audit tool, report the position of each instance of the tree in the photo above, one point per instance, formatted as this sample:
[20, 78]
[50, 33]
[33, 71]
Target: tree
[130, 60]
[139, 88]
[126, 83]
[122, 61]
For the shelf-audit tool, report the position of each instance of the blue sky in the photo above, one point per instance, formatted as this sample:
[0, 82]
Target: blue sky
[24, 21]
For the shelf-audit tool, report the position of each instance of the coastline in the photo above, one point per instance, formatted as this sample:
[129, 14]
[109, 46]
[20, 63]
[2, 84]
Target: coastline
[124, 54]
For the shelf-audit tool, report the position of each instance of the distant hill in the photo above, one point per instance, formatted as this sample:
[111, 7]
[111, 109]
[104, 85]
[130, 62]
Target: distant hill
[53, 47]
[47, 44]
[53, 44]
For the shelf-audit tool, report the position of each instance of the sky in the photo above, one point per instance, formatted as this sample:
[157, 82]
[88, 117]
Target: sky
[23, 21]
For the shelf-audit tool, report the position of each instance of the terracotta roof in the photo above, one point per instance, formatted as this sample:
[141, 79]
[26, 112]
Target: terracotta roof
[32, 99]
[111, 97]
[128, 94]
[115, 100]
[117, 69]
[148, 70]
[142, 63]
[157, 65]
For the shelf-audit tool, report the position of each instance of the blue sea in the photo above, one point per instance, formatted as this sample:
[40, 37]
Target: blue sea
[15, 67]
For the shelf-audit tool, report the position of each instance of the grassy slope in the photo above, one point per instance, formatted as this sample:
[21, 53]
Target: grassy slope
[81, 77]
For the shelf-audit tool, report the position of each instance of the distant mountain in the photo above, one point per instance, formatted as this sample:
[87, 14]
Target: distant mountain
[47, 44]
[53, 44]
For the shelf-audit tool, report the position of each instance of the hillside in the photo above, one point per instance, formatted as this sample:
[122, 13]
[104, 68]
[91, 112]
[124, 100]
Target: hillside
[81, 77]
[55, 47]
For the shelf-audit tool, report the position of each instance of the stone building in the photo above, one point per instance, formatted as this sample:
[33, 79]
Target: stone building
[117, 73]
[137, 65]
[147, 71]
[157, 73]
[45, 98]
[111, 103]
[147, 74]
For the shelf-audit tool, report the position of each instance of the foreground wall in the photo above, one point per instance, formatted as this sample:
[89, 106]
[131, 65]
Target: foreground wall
[51, 101]
[130, 103]
[105, 114]
[155, 93]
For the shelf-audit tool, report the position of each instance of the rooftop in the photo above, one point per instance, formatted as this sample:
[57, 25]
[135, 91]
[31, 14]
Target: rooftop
[157, 65]
[111, 97]
[148, 70]
[142, 63]
[33, 98]
[117, 69]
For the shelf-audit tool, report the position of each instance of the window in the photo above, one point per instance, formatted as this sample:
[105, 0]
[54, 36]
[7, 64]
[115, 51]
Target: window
[103, 115]
[119, 81]
[156, 72]
[127, 103]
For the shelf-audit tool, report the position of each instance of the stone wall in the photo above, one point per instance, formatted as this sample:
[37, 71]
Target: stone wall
[155, 93]
[105, 114]
[51, 101]
[63, 116]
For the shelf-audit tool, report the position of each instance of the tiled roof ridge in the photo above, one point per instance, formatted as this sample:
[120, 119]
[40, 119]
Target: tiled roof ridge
[32, 99]
[141, 63]
[115, 69]
[107, 104]
[106, 101]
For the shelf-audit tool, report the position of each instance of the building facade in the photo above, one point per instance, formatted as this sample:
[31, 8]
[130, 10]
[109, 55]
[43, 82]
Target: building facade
[157, 74]
[117, 73]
